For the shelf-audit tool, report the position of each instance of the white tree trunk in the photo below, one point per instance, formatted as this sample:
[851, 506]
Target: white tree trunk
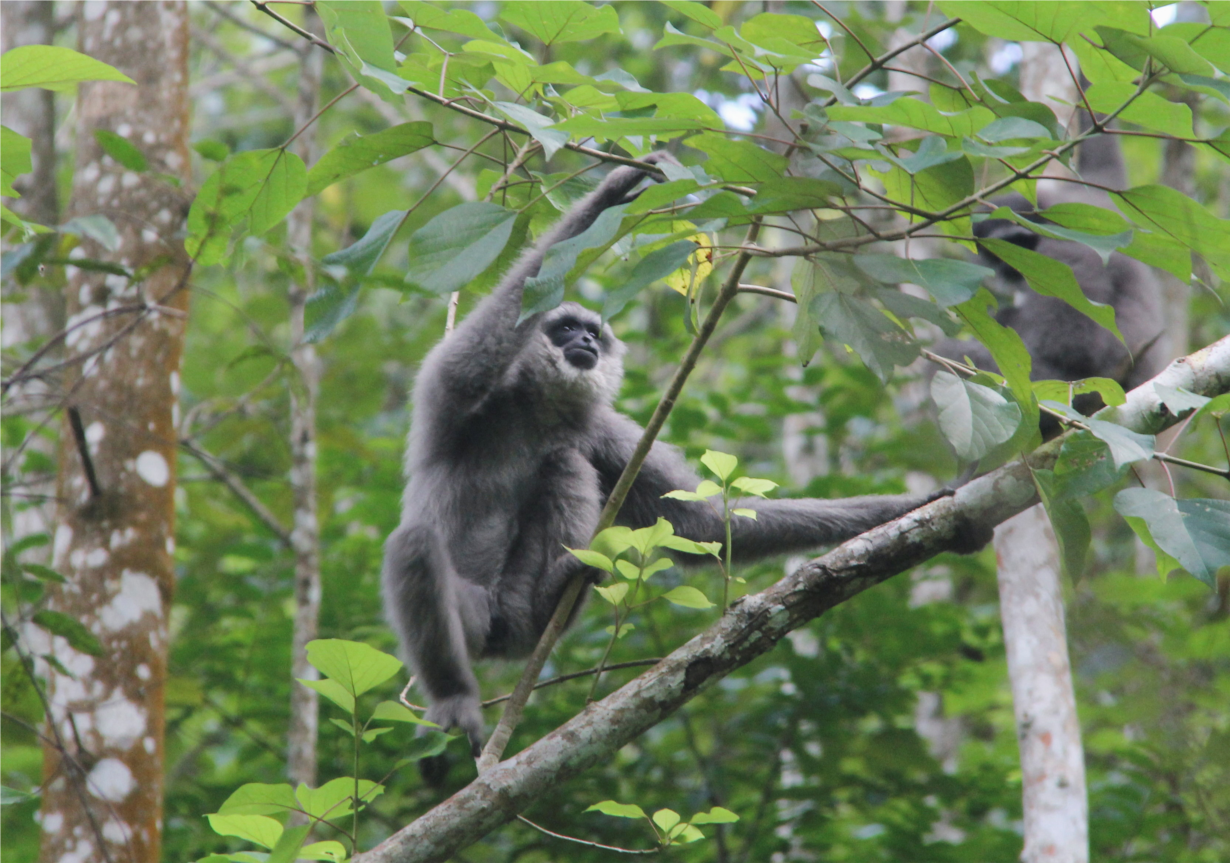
[305, 535]
[1043, 699]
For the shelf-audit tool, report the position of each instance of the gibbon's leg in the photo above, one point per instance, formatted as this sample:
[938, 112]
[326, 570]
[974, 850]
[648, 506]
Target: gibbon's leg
[439, 618]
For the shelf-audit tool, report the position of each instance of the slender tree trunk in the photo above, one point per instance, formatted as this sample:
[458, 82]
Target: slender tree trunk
[31, 316]
[305, 536]
[102, 795]
[1031, 605]
[1043, 698]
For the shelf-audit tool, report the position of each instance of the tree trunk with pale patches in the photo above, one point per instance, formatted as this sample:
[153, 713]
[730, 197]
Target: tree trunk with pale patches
[102, 796]
[305, 536]
[1053, 794]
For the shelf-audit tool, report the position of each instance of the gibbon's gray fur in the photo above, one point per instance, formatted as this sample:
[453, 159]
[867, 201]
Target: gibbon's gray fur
[514, 446]
[1063, 343]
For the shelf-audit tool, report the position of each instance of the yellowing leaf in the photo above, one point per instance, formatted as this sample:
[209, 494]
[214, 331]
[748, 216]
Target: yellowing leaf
[698, 267]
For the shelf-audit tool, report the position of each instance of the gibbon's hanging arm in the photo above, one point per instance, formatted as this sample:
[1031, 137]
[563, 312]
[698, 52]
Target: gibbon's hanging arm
[563, 612]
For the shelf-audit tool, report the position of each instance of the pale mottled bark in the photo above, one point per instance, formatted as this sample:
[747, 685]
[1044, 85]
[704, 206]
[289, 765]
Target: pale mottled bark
[754, 626]
[102, 796]
[305, 535]
[1043, 697]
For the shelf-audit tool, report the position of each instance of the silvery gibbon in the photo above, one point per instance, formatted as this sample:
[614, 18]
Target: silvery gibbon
[1063, 343]
[513, 448]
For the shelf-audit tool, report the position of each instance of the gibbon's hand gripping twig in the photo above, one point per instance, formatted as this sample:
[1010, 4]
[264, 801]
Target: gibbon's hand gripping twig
[533, 667]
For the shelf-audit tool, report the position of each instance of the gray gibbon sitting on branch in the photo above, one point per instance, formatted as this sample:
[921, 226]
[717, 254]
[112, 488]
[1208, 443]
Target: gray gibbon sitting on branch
[514, 446]
[1064, 344]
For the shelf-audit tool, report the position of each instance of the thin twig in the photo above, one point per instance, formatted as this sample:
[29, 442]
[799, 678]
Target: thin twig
[215, 466]
[768, 292]
[574, 675]
[285, 22]
[542, 829]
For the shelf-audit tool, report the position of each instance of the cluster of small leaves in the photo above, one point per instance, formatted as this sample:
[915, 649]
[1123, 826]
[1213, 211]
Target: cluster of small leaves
[349, 670]
[667, 825]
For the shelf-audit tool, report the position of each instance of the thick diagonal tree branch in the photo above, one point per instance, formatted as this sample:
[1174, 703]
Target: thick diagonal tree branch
[754, 626]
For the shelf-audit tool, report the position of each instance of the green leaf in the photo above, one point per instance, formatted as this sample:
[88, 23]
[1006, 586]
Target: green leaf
[457, 245]
[616, 592]
[43, 573]
[744, 512]
[879, 342]
[1178, 400]
[738, 161]
[722, 464]
[1086, 218]
[333, 691]
[391, 711]
[666, 818]
[716, 815]
[680, 494]
[360, 257]
[628, 570]
[916, 114]
[356, 666]
[70, 629]
[15, 159]
[97, 227]
[262, 185]
[1084, 466]
[751, 485]
[948, 280]
[261, 829]
[1126, 446]
[619, 810]
[9, 796]
[215, 151]
[546, 290]
[1217, 407]
[327, 308]
[592, 558]
[1053, 278]
[333, 852]
[121, 149]
[287, 848]
[359, 29]
[1178, 217]
[1110, 391]
[613, 541]
[356, 154]
[974, 419]
[52, 68]
[425, 745]
[1148, 109]
[1169, 51]
[538, 125]
[1069, 522]
[698, 12]
[257, 798]
[658, 264]
[1196, 533]
[553, 21]
[687, 834]
[461, 21]
[1040, 22]
[679, 543]
[1103, 244]
[688, 597]
[334, 798]
[342, 724]
[1011, 128]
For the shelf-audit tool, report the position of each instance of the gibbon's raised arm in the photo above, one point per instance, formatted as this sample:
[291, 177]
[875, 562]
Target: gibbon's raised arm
[474, 359]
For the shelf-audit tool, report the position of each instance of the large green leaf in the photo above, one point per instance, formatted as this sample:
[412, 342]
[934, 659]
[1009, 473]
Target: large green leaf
[738, 161]
[457, 245]
[1006, 347]
[260, 829]
[1196, 533]
[52, 68]
[658, 264]
[974, 418]
[916, 114]
[1054, 279]
[1178, 217]
[121, 149]
[1126, 446]
[1084, 466]
[1146, 109]
[949, 280]
[1069, 522]
[538, 125]
[879, 343]
[461, 21]
[356, 666]
[1102, 244]
[262, 185]
[335, 797]
[258, 798]
[359, 30]
[553, 21]
[619, 810]
[1169, 51]
[1046, 21]
[356, 154]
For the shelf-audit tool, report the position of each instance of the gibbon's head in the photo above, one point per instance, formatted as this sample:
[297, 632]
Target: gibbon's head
[582, 352]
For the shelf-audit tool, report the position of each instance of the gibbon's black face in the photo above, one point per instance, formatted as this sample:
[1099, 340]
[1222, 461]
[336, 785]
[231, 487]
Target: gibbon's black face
[580, 340]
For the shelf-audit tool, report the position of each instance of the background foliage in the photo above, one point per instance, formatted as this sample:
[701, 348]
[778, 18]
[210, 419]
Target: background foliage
[815, 746]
